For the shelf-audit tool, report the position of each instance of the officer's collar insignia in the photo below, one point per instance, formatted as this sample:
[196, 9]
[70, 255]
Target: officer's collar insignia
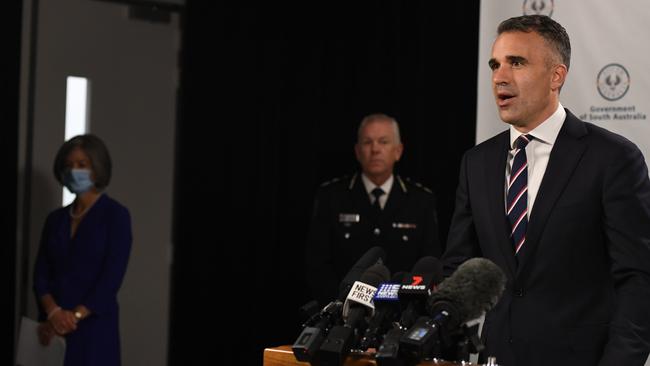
[354, 179]
[401, 184]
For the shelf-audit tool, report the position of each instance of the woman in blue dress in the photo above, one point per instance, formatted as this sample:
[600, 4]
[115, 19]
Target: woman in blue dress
[82, 258]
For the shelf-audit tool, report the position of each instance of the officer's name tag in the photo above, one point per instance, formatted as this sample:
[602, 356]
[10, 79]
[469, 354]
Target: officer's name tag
[348, 217]
[404, 225]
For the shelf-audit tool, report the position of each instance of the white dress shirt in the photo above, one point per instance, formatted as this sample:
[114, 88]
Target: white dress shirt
[538, 152]
[369, 185]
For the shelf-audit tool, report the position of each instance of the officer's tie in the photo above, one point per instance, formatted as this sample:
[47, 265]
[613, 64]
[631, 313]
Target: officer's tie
[517, 199]
[376, 206]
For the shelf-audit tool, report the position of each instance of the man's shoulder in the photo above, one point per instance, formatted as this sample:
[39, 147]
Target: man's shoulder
[495, 144]
[338, 184]
[607, 137]
[410, 185]
[496, 140]
[606, 142]
[335, 182]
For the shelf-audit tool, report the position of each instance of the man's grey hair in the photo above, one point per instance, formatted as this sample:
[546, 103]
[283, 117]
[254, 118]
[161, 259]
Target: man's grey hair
[380, 117]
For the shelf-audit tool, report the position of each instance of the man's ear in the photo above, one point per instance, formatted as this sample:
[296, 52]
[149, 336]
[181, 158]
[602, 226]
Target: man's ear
[399, 151]
[558, 77]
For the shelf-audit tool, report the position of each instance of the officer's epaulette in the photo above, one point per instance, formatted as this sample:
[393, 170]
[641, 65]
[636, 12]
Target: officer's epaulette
[417, 184]
[333, 180]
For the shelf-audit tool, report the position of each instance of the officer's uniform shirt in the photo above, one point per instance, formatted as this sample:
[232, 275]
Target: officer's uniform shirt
[388, 184]
[344, 226]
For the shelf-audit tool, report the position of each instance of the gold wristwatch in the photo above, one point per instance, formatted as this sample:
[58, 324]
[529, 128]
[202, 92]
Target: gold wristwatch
[78, 315]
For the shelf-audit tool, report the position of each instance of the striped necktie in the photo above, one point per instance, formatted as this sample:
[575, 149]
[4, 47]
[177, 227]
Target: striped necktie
[517, 198]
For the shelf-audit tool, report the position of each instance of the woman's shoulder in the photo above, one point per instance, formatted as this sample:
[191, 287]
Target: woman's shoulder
[57, 214]
[112, 205]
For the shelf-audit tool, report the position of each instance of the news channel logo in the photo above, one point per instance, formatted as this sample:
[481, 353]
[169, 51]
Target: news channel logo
[613, 82]
[538, 7]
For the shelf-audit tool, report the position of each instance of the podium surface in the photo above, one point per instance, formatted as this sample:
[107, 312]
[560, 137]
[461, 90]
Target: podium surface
[283, 356]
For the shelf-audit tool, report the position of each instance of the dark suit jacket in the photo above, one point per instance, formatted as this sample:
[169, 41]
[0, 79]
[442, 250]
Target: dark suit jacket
[579, 293]
[343, 227]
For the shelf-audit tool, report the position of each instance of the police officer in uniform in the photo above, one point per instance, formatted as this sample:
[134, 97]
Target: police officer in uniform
[373, 207]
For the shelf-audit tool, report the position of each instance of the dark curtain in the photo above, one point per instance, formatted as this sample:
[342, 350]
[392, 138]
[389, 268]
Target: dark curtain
[10, 33]
[271, 97]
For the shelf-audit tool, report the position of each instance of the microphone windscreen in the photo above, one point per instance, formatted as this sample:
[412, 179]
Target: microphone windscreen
[474, 288]
[370, 257]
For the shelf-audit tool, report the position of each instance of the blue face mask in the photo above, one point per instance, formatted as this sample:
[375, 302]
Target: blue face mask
[78, 180]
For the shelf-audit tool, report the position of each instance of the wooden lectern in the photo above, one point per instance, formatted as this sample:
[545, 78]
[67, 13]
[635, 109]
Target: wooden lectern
[283, 356]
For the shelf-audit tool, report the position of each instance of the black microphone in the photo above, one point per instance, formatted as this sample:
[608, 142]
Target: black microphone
[417, 287]
[318, 325]
[474, 288]
[413, 294]
[386, 311]
[372, 256]
[309, 311]
[358, 305]
[313, 335]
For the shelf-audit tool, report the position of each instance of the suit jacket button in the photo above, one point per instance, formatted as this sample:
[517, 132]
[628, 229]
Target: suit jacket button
[376, 231]
[347, 235]
[405, 238]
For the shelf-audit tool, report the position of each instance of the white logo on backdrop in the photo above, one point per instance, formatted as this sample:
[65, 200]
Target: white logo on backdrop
[538, 7]
[613, 82]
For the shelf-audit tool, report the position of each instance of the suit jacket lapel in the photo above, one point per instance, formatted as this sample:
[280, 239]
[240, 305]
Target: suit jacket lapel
[495, 178]
[565, 155]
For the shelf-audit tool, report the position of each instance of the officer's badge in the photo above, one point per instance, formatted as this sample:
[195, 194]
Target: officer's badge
[349, 218]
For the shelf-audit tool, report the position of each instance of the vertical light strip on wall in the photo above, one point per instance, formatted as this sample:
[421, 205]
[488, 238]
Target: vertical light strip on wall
[77, 101]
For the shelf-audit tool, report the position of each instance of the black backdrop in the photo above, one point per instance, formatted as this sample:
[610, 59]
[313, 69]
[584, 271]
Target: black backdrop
[270, 100]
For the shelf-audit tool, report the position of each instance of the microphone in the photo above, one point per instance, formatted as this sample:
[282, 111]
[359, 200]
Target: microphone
[474, 288]
[417, 287]
[312, 335]
[357, 306]
[309, 311]
[372, 256]
[386, 302]
[319, 324]
[413, 294]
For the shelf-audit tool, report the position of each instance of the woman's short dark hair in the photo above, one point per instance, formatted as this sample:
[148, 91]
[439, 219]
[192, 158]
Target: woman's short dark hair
[97, 152]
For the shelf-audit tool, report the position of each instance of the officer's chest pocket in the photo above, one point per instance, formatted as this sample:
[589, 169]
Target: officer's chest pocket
[349, 227]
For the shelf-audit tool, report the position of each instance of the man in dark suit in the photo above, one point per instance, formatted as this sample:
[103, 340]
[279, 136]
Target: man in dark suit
[372, 208]
[563, 207]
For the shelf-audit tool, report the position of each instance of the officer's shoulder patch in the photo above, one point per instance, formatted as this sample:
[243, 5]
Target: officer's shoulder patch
[418, 185]
[333, 180]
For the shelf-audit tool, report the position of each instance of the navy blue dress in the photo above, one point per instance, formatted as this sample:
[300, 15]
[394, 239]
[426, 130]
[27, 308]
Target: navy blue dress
[87, 269]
